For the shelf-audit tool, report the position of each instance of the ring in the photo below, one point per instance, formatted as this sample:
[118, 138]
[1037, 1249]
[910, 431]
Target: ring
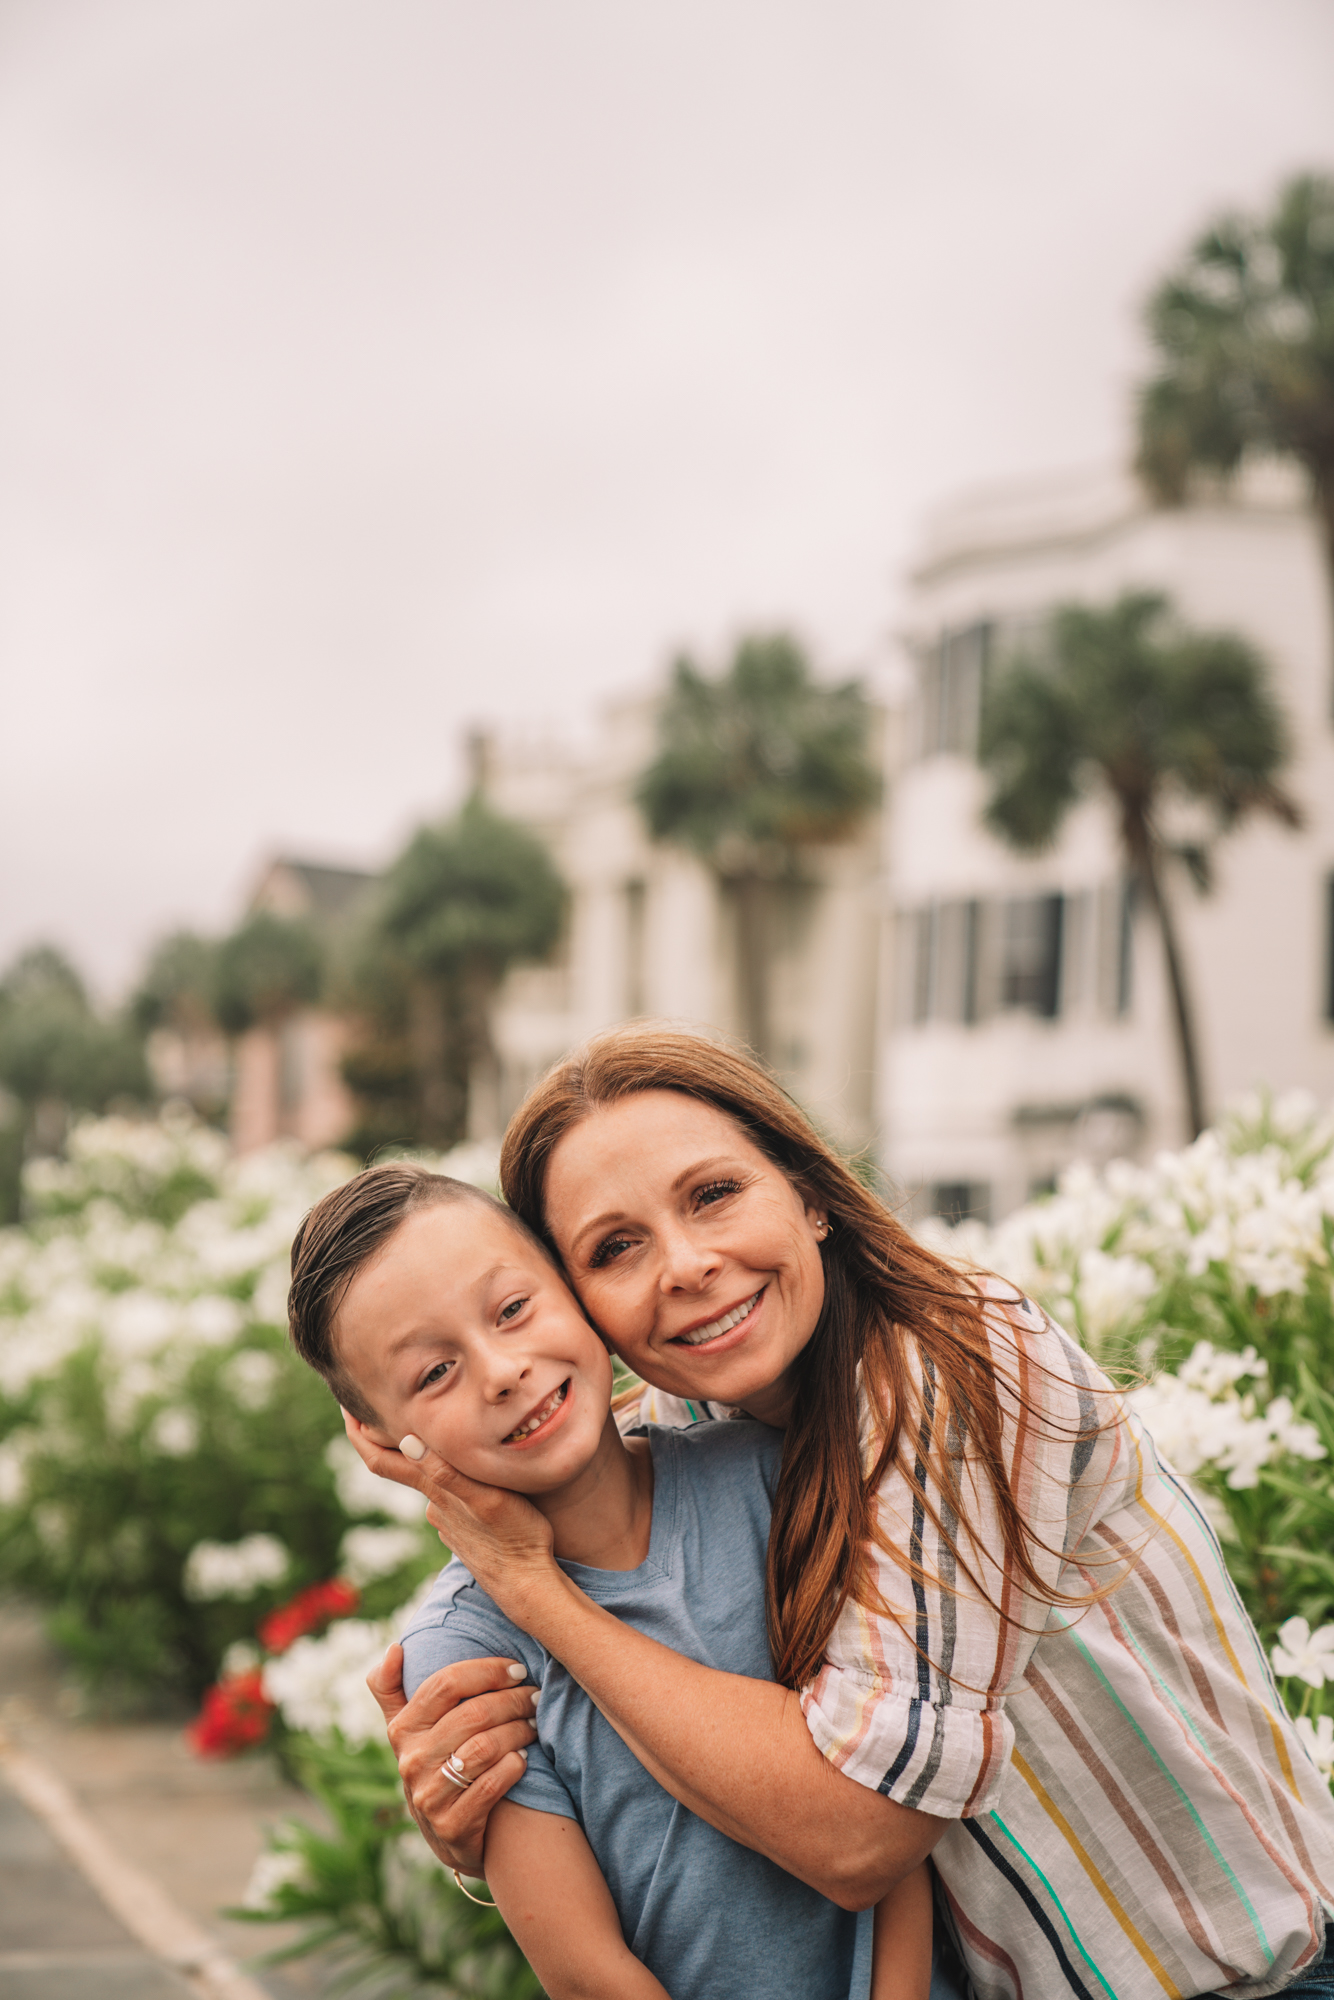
[481, 1901]
[454, 1778]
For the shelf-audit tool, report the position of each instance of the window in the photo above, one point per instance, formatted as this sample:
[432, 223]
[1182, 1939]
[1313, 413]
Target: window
[942, 940]
[1030, 968]
[961, 1201]
[636, 911]
[950, 691]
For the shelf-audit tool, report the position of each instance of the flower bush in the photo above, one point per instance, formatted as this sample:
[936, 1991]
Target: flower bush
[169, 1472]
[1206, 1281]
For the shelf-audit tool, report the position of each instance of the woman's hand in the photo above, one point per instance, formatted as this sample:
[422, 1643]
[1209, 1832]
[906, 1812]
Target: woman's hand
[501, 1537]
[472, 1711]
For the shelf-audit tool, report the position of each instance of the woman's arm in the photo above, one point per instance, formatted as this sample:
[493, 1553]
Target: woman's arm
[545, 1877]
[735, 1751]
[904, 1928]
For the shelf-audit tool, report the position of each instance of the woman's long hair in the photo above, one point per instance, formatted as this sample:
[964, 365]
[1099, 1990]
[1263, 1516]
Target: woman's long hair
[885, 1295]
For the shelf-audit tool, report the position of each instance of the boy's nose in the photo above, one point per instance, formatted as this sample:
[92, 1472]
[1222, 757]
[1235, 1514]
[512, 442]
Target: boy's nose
[504, 1377]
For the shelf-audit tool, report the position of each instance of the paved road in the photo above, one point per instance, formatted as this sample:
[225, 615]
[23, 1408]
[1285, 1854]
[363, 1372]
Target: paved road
[192, 1829]
[58, 1941]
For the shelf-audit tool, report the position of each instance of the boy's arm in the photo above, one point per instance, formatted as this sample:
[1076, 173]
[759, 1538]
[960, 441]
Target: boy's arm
[543, 1874]
[904, 1921]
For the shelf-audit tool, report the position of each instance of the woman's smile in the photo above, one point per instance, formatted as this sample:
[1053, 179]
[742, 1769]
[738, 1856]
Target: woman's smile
[739, 1320]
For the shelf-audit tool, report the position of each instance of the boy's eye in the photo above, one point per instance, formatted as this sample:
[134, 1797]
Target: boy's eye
[610, 1247]
[437, 1374]
[512, 1310]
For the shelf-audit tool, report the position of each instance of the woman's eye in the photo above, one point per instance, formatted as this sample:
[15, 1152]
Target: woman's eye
[512, 1310]
[610, 1248]
[437, 1374]
[715, 1191]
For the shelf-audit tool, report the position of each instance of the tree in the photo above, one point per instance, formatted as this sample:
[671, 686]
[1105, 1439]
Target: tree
[754, 766]
[462, 904]
[1245, 333]
[268, 968]
[1156, 716]
[178, 987]
[57, 1056]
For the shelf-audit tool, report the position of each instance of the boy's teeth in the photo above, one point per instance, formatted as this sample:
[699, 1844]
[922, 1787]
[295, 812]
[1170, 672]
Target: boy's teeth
[717, 1326]
[540, 1415]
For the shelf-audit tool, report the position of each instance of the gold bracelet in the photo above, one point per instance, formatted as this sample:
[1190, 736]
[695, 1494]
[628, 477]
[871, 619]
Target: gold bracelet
[480, 1901]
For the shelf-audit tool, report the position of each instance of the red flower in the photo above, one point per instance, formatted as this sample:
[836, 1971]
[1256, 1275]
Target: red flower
[309, 1611]
[235, 1715]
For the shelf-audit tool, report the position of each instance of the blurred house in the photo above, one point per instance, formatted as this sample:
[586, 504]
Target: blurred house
[650, 932]
[1026, 1020]
[286, 1076]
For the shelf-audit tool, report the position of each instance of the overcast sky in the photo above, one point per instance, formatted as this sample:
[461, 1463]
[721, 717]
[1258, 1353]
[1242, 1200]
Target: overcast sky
[372, 367]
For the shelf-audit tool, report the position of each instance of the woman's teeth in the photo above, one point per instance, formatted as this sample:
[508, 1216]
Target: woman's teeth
[539, 1416]
[698, 1335]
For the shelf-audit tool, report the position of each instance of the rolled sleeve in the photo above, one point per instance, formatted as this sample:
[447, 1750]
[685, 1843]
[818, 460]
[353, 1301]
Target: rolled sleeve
[940, 1756]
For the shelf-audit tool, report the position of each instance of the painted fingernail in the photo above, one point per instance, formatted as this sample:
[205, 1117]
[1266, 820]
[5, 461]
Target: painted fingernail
[524, 1755]
[456, 1761]
[412, 1447]
[535, 1700]
[517, 1673]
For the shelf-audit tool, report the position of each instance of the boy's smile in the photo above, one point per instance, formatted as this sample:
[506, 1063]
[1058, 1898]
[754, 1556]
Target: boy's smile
[463, 1333]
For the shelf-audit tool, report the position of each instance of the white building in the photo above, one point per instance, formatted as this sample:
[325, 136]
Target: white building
[650, 933]
[1026, 1020]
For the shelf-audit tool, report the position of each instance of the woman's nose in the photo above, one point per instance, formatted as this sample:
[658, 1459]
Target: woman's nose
[685, 1265]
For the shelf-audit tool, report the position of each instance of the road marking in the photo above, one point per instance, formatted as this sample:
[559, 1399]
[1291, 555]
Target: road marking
[146, 1911]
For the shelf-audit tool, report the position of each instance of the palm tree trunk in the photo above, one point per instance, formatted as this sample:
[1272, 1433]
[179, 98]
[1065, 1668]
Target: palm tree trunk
[1323, 479]
[753, 944]
[482, 1119]
[1149, 872]
[428, 1037]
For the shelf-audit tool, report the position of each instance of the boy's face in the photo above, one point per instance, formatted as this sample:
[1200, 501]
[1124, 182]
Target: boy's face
[460, 1330]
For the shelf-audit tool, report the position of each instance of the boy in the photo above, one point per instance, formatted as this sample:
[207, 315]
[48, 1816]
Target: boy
[433, 1313]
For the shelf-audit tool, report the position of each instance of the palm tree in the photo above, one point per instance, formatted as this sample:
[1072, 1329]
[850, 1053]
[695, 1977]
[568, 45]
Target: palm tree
[463, 903]
[1245, 333]
[1129, 702]
[754, 766]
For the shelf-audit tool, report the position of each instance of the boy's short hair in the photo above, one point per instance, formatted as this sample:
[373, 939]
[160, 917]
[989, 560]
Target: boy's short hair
[339, 1237]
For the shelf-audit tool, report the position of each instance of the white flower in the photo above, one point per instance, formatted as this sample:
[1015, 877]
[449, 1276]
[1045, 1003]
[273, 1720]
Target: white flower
[13, 1466]
[241, 1657]
[174, 1432]
[1318, 1743]
[213, 1320]
[360, 1492]
[233, 1569]
[269, 1304]
[250, 1376]
[1307, 1654]
[1199, 1418]
[320, 1684]
[369, 1553]
[274, 1869]
[52, 1525]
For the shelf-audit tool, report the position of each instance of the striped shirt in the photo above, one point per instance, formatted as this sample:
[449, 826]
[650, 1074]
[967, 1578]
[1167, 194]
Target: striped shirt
[1134, 1814]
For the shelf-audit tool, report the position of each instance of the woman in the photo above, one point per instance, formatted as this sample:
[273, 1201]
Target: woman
[1002, 1629]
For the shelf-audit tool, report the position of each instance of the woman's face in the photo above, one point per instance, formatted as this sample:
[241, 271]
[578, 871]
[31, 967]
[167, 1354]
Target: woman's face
[693, 1254]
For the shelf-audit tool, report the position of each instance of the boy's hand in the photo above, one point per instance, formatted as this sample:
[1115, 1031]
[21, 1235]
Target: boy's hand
[499, 1535]
[473, 1711]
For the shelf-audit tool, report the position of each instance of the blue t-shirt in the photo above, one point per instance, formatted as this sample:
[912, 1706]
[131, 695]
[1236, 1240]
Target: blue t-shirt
[710, 1919]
